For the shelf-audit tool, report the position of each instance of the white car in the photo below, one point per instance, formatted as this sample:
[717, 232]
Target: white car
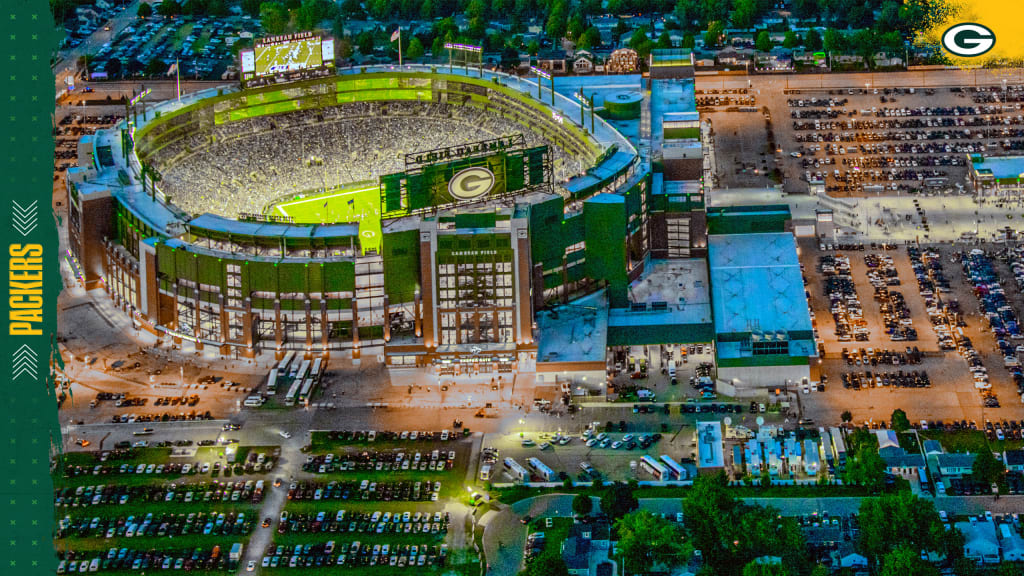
[251, 566]
[284, 434]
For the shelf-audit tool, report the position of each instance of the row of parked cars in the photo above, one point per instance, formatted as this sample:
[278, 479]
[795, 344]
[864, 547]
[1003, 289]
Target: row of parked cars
[364, 490]
[381, 461]
[165, 417]
[139, 560]
[367, 522]
[356, 436]
[844, 304]
[159, 525]
[104, 494]
[882, 356]
[355, 554]
[899, 379]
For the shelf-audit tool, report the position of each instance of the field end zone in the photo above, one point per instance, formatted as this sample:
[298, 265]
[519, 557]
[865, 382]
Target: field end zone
[360, 205]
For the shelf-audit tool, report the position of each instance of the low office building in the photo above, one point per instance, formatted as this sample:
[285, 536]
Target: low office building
[710, 456]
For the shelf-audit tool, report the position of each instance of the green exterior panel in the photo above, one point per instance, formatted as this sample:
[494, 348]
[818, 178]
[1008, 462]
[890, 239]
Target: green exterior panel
[605, 220]
[656, 335]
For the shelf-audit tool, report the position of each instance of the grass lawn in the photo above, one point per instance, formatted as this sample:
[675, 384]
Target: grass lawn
[969, 441]
[360, 205]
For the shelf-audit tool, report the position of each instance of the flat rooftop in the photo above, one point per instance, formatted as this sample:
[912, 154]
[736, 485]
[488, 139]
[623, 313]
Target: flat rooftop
[577, 332]
[709, 445]
[756, 284]
[675, 291]
[1000, 167]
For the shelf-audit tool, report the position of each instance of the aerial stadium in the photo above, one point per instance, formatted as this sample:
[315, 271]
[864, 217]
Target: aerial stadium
[433, 216]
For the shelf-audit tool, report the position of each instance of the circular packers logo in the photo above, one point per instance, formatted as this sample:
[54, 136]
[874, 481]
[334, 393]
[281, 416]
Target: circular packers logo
[471, 183]
[968, 39]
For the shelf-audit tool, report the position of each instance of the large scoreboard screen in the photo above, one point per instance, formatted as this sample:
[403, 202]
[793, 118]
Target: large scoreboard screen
[285, 58]
[473, 173]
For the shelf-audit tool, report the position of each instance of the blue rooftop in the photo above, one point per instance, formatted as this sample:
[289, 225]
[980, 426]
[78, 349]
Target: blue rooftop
[1002, 167]
[756, 284]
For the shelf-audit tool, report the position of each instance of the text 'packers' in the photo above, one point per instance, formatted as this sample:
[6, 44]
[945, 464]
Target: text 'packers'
[25, 274]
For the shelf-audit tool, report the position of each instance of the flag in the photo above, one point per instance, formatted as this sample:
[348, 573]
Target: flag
[325, 203]
[351, 201]
[396, 34]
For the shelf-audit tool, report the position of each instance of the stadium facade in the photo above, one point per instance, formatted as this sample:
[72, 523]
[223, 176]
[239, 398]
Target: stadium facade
[463, 286]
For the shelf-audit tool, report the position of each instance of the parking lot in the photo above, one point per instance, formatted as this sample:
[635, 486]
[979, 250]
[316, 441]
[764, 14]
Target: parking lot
[967, 372]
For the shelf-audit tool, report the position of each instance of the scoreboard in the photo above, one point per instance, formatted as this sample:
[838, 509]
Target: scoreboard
[287, 57]
[492, 169]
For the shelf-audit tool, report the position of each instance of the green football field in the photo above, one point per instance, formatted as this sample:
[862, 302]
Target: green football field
[358, 205]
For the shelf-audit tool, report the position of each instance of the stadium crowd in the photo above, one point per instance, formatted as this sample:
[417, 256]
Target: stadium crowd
[247, 165]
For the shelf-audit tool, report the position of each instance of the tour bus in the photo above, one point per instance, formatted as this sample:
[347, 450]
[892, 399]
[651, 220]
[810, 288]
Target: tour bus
[302, 370]
[286, 363]
[293, 391]
[314, 373]
[516, 470]
[272, 383]
[541, 469]
[652, 467]
[306, 391]
[253, 401]
[673, 467]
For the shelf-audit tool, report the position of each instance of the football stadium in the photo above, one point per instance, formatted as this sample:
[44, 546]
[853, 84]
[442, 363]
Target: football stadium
[445, 218]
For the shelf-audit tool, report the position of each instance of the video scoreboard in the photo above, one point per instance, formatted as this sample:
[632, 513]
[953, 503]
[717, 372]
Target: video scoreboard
[470, 173]
[285, 58]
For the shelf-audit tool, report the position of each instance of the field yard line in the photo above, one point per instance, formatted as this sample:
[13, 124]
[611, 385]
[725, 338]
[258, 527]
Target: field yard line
[325, 198]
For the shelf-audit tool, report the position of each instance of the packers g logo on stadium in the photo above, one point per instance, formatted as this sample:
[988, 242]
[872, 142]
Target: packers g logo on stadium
[471, 183]
[968, 39]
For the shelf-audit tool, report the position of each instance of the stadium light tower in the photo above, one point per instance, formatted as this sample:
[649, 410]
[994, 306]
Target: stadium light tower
[545, 75]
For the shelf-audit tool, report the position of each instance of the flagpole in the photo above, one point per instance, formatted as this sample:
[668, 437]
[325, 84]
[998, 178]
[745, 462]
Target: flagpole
[177, 75]
[399, 46]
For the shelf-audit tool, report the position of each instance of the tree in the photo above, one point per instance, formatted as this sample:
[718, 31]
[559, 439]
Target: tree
[169, 8]
[582, 504]
[714, 34]
[900, 422]
[744, 14]
[156, 66]
[864, 467]
[689, 41]
[987, 468]
[274, 17]
[509, 60]
[251, 7]
[900, 520]
[591, 38]
[792, 39]
[905, 561]
[533, 47]
[965, 567]
[618, 500]
[343, 47]
[664, 41]
[888, 17]
[688, 12]
[812, 41]
[755, 568]
[820, 570]
[365, 43]
[846, 416]
[646, 539]
[556, 25]
[834, 40]
[547, 564]
[763, 41]
[144, 11]
[415, 50]
[113, 67]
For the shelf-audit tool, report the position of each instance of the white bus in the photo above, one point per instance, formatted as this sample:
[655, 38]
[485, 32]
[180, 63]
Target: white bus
[314, 373]
[301, 370]
[272, 383]
[674, 468]
[541, 469]
[286, 363]
[485, 472]
[516, 470]
[652, 467]
[253, 401]
[306, 391]
[293, 391]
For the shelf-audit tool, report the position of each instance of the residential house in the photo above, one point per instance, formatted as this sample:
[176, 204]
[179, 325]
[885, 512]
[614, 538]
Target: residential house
[552, 61]
[932, 447]
[583, 62]
[887, 439]
[623, 61]
[586, 548]
[980, 543]
[955, 465]
[846, 556]
[899, 461]
[777, 59]
[729, 57]
[1014, 460]
[1011, 543]
[886, 60]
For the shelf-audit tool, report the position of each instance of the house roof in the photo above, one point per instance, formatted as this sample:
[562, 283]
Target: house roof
[956, 460]
[978, 535]
[576, 552]
[1014, 457]
[899, 458]
[933, 447]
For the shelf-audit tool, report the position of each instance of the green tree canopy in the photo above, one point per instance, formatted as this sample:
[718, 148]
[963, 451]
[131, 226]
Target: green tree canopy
[812, 41]
[144, 11]
[792, 39]
[618, 500]
[763, 41]
[904, 561]
[415, 50]
[274, 17]
[582, 504]
[755, 568]
[646, 539]
[901, 519]
[987, 468]
[714, 34]
[900, 422]
[745, 13]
